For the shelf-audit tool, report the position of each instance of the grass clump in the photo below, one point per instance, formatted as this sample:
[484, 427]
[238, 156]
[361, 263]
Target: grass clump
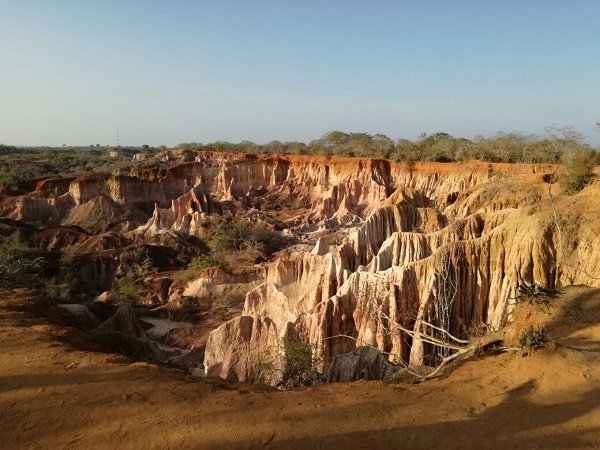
[532, 339]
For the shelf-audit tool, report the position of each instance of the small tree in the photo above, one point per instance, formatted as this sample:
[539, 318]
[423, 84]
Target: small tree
[577, 159]
[445, 280]
[300, 359]
[292, 363]
[127, 290]
[15, 178]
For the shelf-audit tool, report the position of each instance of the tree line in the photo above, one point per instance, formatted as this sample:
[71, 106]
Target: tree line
[439, 147]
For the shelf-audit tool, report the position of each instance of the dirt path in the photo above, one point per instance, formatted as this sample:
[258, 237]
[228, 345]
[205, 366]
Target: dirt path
[54, 395]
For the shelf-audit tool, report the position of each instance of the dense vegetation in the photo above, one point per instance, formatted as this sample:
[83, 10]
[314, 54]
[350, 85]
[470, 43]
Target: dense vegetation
[18, 165]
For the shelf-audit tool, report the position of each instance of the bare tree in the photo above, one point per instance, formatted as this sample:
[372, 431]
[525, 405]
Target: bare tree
[445, 282]
[20, 271]
[454, 347]
[433, 330]
[577, 160]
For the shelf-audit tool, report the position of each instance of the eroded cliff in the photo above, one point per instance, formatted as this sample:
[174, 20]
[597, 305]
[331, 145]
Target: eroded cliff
[370, 244]
[450, 241]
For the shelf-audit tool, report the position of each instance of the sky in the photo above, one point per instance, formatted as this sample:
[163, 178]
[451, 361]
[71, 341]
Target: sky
[168, 72]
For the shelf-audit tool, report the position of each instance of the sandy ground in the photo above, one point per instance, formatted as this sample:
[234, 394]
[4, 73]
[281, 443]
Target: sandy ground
[57, 391]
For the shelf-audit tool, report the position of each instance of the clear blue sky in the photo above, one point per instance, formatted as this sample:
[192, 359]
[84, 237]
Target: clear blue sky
[168, 72]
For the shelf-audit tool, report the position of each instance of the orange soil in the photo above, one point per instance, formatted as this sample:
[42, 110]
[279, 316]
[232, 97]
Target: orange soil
[58, 391]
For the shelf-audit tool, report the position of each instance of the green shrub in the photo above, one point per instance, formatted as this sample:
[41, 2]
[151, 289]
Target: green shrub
[580, 172]
[205, 261]
[233, 243]
[299, 362]
[234, 235]
[300, 359]
[127, 291]
[15, 179]
[299, 203]
[60, 289]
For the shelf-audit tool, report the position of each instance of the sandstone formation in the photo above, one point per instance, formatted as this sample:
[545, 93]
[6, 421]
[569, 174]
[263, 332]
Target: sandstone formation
[184, 216]
[83, 316]
[52, 201]
[456, 238]
[125, 322]
[372, 244]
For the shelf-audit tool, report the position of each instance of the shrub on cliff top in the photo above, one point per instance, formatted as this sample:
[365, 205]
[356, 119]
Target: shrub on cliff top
[580, 170]
[15, 179]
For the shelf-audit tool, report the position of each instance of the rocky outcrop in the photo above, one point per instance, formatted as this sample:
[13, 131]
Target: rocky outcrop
[125, 322]
[364, 363]
[409, 261]
[235, 350]
[377, 243]
[272, 311]
[82, 315]
[122, 333]
[52, 201]
[97, 215]
[185, 215]
[343, 191]
[36, 210]
[339, 190]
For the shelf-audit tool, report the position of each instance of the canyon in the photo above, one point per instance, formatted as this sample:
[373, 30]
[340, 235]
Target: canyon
[365, 251]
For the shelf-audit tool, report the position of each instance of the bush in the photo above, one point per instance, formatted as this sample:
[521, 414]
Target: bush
[206, 261]
[299, 362]
[60, 289]
[127, 291]
[299, 203]
[580, 170]
[233, 243]
[15, 179]
[235, 235]
[20, 265]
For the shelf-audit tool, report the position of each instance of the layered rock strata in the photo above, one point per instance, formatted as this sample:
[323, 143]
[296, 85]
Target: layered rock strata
[392, 243]
[417, 253]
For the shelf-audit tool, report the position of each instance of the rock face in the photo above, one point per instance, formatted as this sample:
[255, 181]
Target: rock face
[364, 363]
[184, 216]
[447, 246]
[52, 202]
[342, 191]
[122, 333]
[83, 316]
[377, 243]
[125, 322]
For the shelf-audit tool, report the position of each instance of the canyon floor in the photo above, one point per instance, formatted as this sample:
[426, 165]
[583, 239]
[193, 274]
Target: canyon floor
[59, 390]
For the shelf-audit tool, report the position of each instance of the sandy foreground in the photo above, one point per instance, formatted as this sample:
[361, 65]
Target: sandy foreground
[59, 391]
